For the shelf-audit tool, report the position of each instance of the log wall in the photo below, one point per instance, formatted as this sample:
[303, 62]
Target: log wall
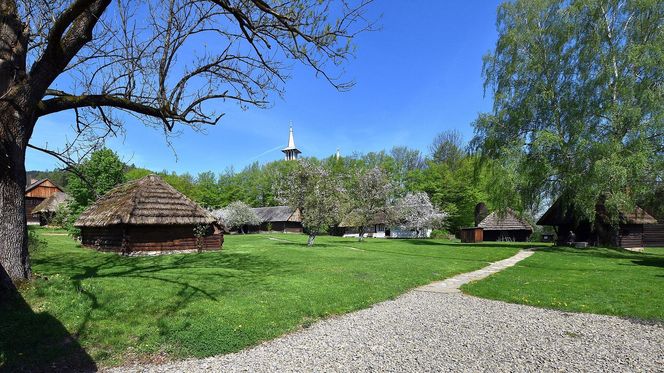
[149, 238]
[653, 235]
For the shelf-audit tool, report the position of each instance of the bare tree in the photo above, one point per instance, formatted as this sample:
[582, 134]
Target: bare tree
[162, 62]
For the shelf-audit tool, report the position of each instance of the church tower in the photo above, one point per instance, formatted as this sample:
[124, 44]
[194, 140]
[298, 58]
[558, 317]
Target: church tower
[291, 151]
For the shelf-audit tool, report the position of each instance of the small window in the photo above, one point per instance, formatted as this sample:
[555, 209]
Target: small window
[380, 228]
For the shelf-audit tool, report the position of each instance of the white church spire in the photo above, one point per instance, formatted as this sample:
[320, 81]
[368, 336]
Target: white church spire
[291, 151]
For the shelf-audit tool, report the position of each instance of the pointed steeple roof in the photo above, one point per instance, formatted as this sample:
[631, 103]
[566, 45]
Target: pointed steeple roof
[291, 141]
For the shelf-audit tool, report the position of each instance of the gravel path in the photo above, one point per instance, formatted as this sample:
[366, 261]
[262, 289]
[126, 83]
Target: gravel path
[449, 331]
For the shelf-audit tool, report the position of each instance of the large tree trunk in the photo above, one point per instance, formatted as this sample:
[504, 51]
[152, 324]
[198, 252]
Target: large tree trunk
[17, 119]
[13, 231]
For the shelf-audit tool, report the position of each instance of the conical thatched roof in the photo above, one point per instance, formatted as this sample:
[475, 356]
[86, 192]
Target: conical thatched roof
[508, 221]
[51, 203]
[146, 201]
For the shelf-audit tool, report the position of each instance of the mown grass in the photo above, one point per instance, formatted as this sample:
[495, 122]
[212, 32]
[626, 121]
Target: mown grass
[89, 309]
[596, 280]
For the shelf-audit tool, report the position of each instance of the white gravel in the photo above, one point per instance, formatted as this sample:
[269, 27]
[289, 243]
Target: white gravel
[426, 331]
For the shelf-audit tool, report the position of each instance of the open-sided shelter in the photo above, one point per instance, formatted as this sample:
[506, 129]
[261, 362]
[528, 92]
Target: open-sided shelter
[148, 215]
[505, 226]
[45, 211]
[36, 193]
[635, 228]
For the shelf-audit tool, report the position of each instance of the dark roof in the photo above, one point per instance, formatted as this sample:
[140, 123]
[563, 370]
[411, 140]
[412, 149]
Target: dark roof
[37, 183]
[146, 201]
[506, 221]
[51, 203]
[558, 214]
[278, 214]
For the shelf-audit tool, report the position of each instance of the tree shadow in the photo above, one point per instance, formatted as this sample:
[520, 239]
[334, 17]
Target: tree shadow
[36, 341]
[650, 262]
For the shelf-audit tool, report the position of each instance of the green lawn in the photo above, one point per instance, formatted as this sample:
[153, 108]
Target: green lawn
[605, 281]
[88, 306]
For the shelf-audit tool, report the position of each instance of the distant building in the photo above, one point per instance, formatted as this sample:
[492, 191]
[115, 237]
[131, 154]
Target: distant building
[291, 151]
[46, 210]
[36, 193]
[278, 219]
[505, 226]
[635, 228]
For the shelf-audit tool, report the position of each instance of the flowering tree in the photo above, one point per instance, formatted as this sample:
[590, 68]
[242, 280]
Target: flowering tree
[316, 192]
[369, 198]
[236, 215]
[415, 211]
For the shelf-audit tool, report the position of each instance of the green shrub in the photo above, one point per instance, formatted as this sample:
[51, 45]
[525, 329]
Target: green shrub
[440, 234]
[35, 243]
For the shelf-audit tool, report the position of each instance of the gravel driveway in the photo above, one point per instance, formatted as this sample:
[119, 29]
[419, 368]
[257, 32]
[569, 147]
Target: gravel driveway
[425, 331]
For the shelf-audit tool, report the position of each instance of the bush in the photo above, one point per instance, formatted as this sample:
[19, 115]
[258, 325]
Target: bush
[35, 243]
[440, 234]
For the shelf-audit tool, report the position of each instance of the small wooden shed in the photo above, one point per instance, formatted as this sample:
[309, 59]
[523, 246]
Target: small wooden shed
[36, 193]
[505, 226]
[472, 235]
[147, 216]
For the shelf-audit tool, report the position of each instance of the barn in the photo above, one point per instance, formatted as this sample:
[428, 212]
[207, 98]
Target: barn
[278, 219]
[45, 211]
[148, 216]
[505, 226]
[36, 193]
[636, 228]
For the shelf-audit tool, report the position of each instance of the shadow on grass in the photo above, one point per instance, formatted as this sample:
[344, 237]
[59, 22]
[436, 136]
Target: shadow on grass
[191, 277]
[608, 253]
[36, 341]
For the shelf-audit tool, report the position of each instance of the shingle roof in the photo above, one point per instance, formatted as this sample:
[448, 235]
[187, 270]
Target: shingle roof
[277, 214]
[51, 203]
[146, 201]
[507, 221]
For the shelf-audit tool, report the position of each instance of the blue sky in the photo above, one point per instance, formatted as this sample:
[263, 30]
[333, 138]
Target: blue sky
[419, 75]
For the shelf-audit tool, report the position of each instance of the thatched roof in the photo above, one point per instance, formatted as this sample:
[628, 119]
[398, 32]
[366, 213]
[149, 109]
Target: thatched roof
[638, 216]
[278, 214]
[51, 203]
[507, 221]
[559, 214]
[146, 201]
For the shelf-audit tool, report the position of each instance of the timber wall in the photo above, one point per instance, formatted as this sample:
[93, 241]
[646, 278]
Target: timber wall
[149, 238]
[653, 235]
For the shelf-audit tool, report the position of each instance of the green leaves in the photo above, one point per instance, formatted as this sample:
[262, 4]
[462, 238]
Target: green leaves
[578, 100]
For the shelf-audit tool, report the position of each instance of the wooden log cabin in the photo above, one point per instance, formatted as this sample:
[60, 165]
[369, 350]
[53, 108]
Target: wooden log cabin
[35, 194]
[636, 228]
[148, 216]
[278, 219]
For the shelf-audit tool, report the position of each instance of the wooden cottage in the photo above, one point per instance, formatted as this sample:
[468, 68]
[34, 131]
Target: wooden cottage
[278, 219]
[505, 226]
[148, 215]
[45, 211]
[36, 193]
[635, 228]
